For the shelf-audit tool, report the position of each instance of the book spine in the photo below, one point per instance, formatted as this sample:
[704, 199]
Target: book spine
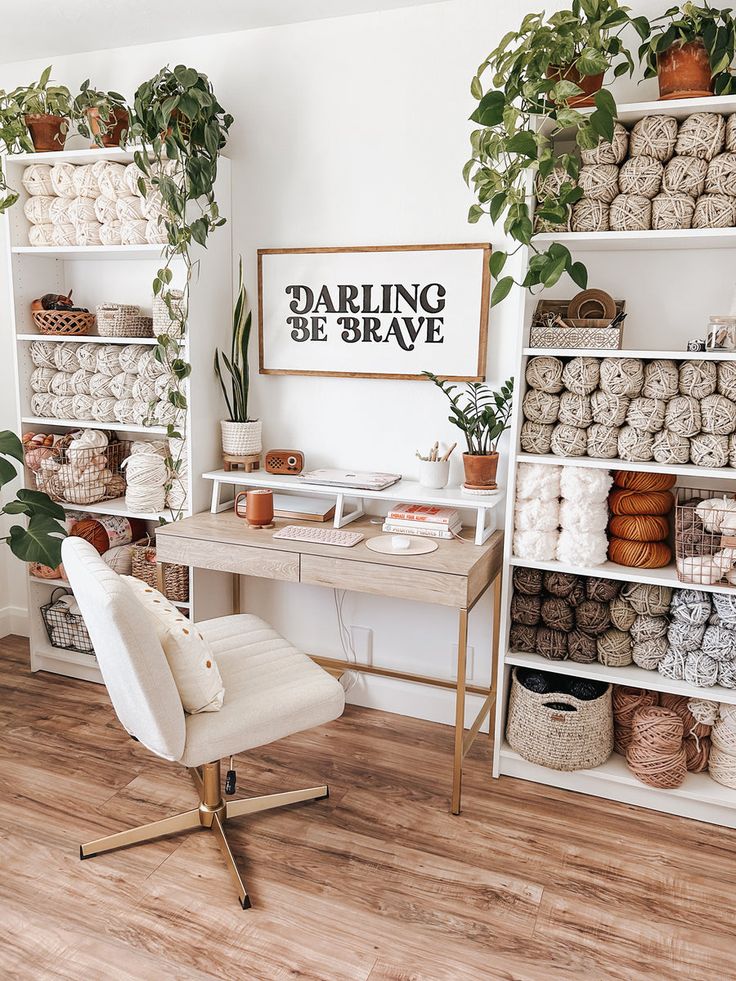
[397, 515]
[423, 532]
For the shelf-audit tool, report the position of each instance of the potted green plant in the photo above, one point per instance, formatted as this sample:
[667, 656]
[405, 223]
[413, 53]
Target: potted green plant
[690, 51]
[482, 415]
[241, 435]
[101, 116]
[47, 110]
[542, 75]
[14, 138]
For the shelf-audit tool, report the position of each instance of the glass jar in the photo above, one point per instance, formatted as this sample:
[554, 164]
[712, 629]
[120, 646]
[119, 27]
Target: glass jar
[722, 334]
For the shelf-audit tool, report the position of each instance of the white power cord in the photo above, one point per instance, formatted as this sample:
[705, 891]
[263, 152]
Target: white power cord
[346, 640]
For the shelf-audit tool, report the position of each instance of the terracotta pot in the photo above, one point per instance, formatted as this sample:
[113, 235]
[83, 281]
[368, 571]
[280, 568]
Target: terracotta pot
[116, 125]
[46, 131]
[684, 72]
[480, 471]
[590, 84]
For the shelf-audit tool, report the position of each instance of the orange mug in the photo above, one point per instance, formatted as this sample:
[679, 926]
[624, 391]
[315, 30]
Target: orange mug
[258, 507]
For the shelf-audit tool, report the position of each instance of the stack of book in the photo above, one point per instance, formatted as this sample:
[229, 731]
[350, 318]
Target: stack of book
[428, 520]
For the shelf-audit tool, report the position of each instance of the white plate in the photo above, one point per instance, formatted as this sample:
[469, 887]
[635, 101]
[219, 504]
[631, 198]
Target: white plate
[417, 546]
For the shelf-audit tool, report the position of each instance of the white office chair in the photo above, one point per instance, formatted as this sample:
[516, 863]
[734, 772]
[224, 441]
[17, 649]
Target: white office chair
[269, 693]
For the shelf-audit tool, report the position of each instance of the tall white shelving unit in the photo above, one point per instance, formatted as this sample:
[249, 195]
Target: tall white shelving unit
[672, 282]
[121, 273]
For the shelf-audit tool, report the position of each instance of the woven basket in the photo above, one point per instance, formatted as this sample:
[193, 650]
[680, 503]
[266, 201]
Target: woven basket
[162, 322]
[590, 334]
[241, 438]
[63, 321]
[170, 579]
[139, 327]
[577, 737]
[112, 319]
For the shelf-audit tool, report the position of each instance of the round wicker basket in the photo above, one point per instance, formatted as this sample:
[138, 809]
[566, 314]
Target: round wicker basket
[63, 321]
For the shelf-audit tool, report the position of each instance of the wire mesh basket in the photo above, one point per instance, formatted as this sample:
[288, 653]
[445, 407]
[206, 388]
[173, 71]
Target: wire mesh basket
[80, 476]
[65, 628]
[705, 536]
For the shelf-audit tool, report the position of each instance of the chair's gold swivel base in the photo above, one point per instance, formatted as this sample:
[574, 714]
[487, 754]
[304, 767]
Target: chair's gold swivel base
[212, 814]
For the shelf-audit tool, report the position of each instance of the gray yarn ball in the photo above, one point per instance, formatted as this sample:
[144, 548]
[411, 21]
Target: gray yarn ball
[725, 605]
[727, 674]
[691, 606]
[646, 628]
[647, 598]
[672, 664]
[615, 648]
[649, 654]
[719, 643]
[685, 637]
[700, 670]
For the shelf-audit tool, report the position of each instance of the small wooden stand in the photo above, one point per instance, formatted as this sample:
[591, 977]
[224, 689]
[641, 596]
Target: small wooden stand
[248, 463]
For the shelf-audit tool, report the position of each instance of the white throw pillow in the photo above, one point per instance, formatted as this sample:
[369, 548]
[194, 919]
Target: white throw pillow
[190, 658]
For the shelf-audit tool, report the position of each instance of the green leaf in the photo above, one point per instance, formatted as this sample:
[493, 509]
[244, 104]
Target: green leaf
[10, 445]
[603, 124]
[476, 88]
[7, 472]
[579, 275]
[523, 142]
[641, 26]
[497, 262]
[498, 203]
[40, 542]
[553, 271]
[41, 503]
[591, 61]
[475, 213]
[605, 102]
[501, 290]
[490, 109]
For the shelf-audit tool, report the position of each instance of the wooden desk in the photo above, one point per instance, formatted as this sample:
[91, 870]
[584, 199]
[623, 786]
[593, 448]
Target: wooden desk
[456, 575]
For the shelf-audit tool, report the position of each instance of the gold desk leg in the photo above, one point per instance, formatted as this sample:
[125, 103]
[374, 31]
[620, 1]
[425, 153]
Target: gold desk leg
[457, 765]
[219, 832]
[186, 821]
[252, 805]
[497, 588]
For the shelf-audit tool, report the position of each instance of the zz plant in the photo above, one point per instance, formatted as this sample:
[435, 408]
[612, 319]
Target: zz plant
[481, 414]
[530, 101]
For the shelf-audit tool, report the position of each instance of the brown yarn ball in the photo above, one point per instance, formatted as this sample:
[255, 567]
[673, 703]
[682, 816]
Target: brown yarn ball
[640, 527]
[678, 704]
[635, 480]
[602, 590]
[697, 754]
[562, 584]
[526, 610]
[523, 639]
[581, 647]
[626, 703]
[639, 555]
[527, 581]
[657, 727]
[663, 770]
[623, 613]
[615, 648]
[552, 644]
[592, 617]
[647, 599]
[557, 613]
[624, 501]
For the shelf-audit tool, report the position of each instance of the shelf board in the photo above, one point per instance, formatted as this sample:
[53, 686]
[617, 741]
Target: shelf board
[591, 462]
[79, 156]
[67, 656]
[567, 352]
[677, 238]
[55, 583]
[116, 506]
[114, 252]
[86, 338]
[632, 675]
[629, 113]
[118, 427]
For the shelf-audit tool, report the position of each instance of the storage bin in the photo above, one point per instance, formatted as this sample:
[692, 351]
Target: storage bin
[66, 630]
[174, 579]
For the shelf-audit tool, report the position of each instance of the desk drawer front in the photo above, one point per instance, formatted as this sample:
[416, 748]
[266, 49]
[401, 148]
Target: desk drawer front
[385, 580]
[245, 560]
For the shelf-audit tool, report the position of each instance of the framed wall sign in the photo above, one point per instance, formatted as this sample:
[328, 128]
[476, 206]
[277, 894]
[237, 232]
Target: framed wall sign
[374, 312]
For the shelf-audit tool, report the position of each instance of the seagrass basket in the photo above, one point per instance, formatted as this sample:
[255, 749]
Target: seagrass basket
[169, 578]
[112, 319]
[558, 730]
[63, 321]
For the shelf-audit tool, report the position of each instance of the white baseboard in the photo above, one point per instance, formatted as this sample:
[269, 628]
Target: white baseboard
[14, 620]
[411, 699]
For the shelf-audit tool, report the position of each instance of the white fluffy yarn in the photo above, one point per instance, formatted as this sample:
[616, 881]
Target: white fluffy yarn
[582, 548]
[591, 517]
[714, 511]
[542, 515]
[537, 546]
[537, 480]
[62, 180]
[585, 485]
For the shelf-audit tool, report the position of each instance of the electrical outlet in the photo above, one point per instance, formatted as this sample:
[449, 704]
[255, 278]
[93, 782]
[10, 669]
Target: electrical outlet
[469, 662]
[362, 638]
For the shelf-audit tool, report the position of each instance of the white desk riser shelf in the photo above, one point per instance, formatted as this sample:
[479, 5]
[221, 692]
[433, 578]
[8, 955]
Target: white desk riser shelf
[405, 490]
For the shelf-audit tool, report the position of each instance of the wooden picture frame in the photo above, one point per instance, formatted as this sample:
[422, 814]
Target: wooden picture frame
[469, 275]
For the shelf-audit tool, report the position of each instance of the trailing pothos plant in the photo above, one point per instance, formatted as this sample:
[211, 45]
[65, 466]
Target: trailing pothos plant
[527, 105]
[14, 138]
[181, 128]
[41, 540]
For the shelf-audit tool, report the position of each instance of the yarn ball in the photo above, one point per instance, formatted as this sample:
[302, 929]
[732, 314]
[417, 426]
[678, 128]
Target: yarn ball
[565, 585]
[725, 605]
[37, 209]
[672, 210]
[575, 410]
[36, 180]
[700, 669]
[552, 643]
[539, 406]
[62, 180]
[603, 441]
[581, 647]
[635, 445]
[581, 375]
[668, 447]
[537, 480]
[622, 613]
[654, 136]
[581, 548]
[526, 609]
[709, 450]
[718, 415]
[630, 213]
[649, 654]
[593, 517]
[719, 643]
[536, 437]
[536, 546]
[622, 376]
[111, 178]
[624, 501]
[527, 581]
[691, 606]
[585, 485]
[640, 527]
[731, 134]
[556, 613]
[545, 374]
[608, 409]
[641, 175]
[590, 216]
[661, 379]
[727, 674]
[647, 599]
[539, 515]
[569, 440]
[698, 379]
[656, 755]
[714, 211]
[685, 637]
[523, 639]
[608, 153]
[721, 177]
[95, 531]
[685, 176]
[697, 754]
[614, 648]
[642, 480]
[599, 182]
[646, 414]
[717, 513]
[639, 555]
[602, 590]
[626, 702]
[726, 383]
[682, 415]
[646, 628]
[702, 135]
[592, 617]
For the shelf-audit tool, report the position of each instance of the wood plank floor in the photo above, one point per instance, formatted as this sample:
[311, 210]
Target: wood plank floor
[378, 883]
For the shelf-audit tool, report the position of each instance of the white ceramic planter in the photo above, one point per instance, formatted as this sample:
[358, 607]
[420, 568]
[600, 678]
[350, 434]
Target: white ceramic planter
[241, 438]
[434, 473]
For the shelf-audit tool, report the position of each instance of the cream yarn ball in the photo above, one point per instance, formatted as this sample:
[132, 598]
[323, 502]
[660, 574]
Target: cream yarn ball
[84, 180]
[62, 235]
[608, 409]
[545, 374]
[726, 383]
[669, 447]
[718, 415]
[609, 153]
[635, 445]
[661, 379]
[581, 375]
[36, 180]
[539, 406]
[133, 232]
[701, 135]
[106, 209]
[575, 410]
[156, 233]
[81, 209]
[630, 213]
[129, 208]
[62, 180]
[111, 233]
[685, 175]
[41, 236]
[590, 216]
[622, 376]
[646, 414]
[110, 178]
[641, 175]
[698, 378]
[709, 450]
[671, 210]
[569, 440]
[59, 211]
[603, 441]
[599, 182]
[37, 209]
[88, 233]
[654, 136]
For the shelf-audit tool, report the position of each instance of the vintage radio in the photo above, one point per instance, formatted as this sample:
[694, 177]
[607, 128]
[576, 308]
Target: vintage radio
[284, 461]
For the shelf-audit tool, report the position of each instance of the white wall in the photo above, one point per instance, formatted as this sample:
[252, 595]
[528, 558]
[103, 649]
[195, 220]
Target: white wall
[350, 131]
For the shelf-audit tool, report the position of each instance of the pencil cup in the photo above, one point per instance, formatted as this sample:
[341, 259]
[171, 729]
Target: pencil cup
[434, 473]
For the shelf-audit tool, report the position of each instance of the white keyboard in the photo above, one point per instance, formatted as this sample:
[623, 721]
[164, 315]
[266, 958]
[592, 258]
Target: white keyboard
[319, 536]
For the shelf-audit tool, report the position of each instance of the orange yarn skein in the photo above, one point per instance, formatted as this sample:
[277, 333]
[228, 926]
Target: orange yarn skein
[639, 555]
[622, 501]
[640, 527]
[637, 481]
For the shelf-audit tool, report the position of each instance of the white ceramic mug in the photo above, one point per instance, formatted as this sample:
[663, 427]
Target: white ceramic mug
[434, 473]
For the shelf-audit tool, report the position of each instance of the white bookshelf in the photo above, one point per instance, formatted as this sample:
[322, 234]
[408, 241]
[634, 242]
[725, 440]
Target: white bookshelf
[121, 273]
[671, 282]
